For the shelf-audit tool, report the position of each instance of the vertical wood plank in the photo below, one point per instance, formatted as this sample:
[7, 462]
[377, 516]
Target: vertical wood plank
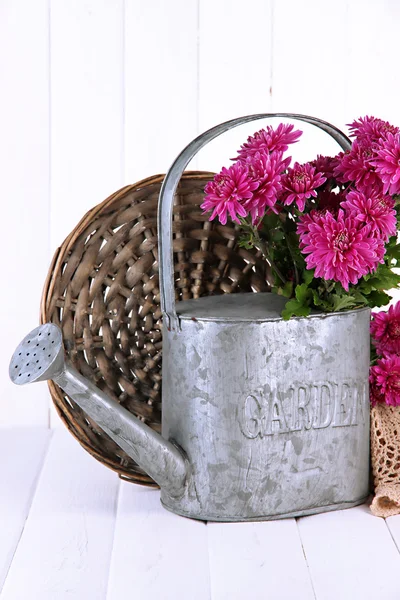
[167, 554]
[24, 189]
[345, 557]
[372, 60]
[234, 71]
[160, 83]
[309, 57]
[257, 560]
[87, 111]
[393, 523]
[65, 548]
[22, 453]
[310, 69]
[372, 63]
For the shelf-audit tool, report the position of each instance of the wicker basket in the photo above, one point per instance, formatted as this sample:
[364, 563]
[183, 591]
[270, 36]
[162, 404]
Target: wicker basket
[102, 290]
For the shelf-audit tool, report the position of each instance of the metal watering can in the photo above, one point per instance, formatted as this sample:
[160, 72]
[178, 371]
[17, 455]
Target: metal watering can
[262, 418]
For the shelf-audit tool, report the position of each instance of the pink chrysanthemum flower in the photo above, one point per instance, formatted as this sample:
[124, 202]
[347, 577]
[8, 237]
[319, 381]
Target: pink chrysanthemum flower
[387, 164]
[371, 129]
[385, 380]
[376, 395]
[228, 192]
[385, 330]
[300, 184]
[269, 140]
[374, 209]
[265, 170]
[339, 248]
[325, 165]
[356, 165]
[306, 220]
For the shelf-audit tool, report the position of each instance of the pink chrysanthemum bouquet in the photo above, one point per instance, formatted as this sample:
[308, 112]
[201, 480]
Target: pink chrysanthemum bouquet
[327, 228]
[384, 377]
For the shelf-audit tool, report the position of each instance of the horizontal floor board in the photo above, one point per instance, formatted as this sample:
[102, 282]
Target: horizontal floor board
[65, 548]
[351, 555]
[257, 560]
[393, 523]
[66, 533]
[22, 453]
[156, 554]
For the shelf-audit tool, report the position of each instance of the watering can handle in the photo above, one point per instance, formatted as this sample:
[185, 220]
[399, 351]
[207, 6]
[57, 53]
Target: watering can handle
[170, 184]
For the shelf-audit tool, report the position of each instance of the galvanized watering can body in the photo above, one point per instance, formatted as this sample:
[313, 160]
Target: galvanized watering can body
[262, 418]
[273, 415]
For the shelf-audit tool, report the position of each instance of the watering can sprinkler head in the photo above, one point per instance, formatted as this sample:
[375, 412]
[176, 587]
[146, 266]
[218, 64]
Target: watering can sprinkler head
[40, 356]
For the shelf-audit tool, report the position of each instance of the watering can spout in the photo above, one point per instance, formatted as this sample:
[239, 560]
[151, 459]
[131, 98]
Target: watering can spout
[40, 357]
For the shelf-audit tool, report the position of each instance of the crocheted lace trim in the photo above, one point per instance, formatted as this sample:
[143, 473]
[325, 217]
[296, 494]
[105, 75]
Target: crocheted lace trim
[385, 459]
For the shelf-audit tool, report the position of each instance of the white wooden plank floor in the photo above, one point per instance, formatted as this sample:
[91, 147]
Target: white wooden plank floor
[70, 529]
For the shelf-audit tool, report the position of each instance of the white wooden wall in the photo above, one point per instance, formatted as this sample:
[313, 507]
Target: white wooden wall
[95, 94]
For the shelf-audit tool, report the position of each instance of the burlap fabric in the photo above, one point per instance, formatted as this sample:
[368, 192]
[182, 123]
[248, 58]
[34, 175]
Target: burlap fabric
[385, 458]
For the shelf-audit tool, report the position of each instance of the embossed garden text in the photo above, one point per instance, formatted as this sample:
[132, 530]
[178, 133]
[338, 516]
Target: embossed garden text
[303, 407]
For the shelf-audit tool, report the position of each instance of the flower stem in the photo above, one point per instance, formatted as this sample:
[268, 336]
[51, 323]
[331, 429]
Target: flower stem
[263, 248]
[296, 271]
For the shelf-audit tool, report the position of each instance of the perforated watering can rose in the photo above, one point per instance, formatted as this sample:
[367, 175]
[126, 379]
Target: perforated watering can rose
[263, 417]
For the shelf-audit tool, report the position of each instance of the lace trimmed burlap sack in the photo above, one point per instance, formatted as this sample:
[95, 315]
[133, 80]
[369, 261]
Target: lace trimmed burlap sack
[385, 458]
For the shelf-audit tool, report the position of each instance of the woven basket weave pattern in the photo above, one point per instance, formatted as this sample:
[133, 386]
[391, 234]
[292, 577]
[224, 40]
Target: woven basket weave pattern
[103, 291]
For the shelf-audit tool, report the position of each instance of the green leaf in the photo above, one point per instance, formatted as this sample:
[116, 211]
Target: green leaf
[285, 290]
[245, 244]
[277, 235]
[294, 308]
[383, 279]
[303, 311]
[303, 293]
[359, 297]
[393, 252]
[319, 302]
[366, 288]
[376, 299]
[343, 302]
[270, 222]
[316, 299]
[246, 240]
[308, 276]
[292, 241]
